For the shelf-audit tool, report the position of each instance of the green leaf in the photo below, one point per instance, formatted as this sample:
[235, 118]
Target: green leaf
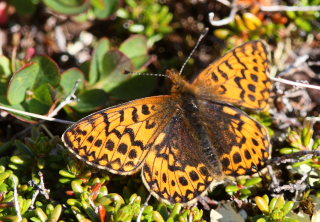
[25, 7]
[56, 213]
[22, 81]
[96, 67]
[114, 64]
[304, 24]
[5, 69]
[136, 49]
[85, 69]
[105, 8]
[232, 189]
[3, 89]
[4, 147]
[262, 204]
[48, 72]
[69, 79]
[98, 4]
[288, 207]
[91, 100]
[35, 106]
[136, 87]
[289, 150]
[280, 202]
[253, 181]
[44, 94]
[41, 214]
[68, 7]
[43, 99]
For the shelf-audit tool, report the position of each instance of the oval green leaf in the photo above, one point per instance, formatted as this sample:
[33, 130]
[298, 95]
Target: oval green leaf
[68, 7]
[114, 64]
[69, 79]
[22, 81]
[91, 100]
[96, 66]
[104, 8]
[136, 49]
[48, 72]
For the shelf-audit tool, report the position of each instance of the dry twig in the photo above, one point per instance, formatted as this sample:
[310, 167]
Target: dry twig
[16, 200]
[279, 8]
[70, 98]
[143, 207]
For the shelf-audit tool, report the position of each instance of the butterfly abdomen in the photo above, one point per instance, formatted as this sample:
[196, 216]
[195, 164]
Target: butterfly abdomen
[191, 112]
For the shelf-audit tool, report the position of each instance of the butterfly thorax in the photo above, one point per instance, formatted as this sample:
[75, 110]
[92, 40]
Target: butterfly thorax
[181, 86]
[189, 108]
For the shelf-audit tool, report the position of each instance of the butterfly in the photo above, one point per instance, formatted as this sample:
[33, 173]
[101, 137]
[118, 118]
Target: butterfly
[186, 142]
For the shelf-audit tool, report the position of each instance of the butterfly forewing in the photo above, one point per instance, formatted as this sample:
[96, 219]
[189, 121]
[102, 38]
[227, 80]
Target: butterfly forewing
[119, 138]
[239, 77]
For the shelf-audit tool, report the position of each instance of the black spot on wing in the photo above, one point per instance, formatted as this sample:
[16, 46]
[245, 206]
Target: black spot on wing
[145, 109]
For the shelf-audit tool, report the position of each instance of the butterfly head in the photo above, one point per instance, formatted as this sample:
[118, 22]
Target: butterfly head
[179, 84]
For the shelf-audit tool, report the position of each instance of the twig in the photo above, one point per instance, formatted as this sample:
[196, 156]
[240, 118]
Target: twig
[224, 2]
[293, 83]
[299, 61]
[16, 200]
[313, 118]
[45, 192]
[206, 201]
[47, 130]
[40, 189]
[275, 182]
[291, 158]
[70, 98]
[224, 21]
[290, 187]
[35, 115]
[143, 207]
[96, 209]
[299, 186]
[33, 200]
[190, 218]
[314, 63]
[278, 8]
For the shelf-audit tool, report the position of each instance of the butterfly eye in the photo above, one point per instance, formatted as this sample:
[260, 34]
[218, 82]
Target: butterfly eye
[176, 88]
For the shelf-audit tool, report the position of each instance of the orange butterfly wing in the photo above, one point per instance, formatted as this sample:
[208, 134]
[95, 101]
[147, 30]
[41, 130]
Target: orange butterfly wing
[239, 77]
[177, 170]
[242, 144]
[119, 138]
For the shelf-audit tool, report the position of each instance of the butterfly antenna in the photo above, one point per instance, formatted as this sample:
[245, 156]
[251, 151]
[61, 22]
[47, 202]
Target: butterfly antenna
[203, 34]
[145, 74]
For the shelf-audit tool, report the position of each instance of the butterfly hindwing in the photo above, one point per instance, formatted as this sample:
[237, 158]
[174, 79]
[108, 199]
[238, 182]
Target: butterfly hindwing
[239, 77]
[241, 143]
[119, 138]
[177, 170]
